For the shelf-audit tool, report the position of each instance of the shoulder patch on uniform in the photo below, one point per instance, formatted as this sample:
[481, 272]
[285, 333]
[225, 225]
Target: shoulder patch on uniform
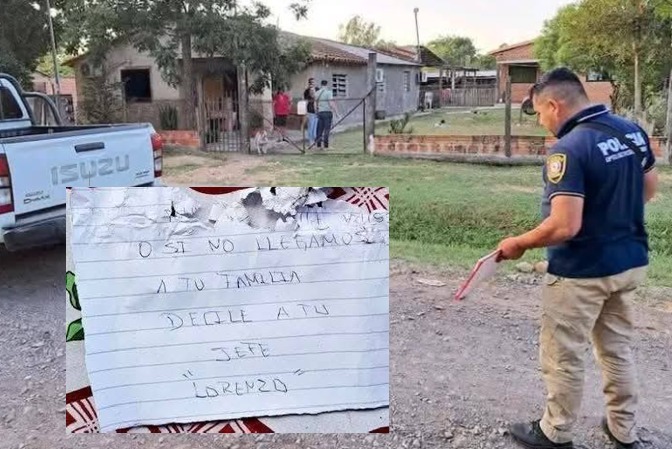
[556, 164]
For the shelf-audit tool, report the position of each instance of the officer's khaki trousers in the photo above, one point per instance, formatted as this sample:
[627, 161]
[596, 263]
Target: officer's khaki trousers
[573, 311]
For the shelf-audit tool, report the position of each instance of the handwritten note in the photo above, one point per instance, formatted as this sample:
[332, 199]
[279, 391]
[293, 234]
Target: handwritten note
[187, 319]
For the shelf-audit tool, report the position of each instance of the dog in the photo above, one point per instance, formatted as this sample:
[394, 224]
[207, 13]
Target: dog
[261, 142]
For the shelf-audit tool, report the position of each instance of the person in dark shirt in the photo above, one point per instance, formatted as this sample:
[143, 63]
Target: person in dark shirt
[309, 96]
[598, 177]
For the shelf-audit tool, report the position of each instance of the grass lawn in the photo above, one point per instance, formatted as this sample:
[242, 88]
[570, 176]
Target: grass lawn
[485, 122]
[452, 214]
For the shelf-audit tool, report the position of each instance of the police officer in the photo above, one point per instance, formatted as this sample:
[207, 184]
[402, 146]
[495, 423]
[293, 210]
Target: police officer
[598, 176]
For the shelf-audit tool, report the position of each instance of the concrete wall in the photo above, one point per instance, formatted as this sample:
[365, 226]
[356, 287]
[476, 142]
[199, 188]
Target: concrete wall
[184, 139]
[127, 57]
[475, 147]
[150, 112]
[395, 100]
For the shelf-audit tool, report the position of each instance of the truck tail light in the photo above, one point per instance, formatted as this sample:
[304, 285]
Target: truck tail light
[157, 147]
[6, 202]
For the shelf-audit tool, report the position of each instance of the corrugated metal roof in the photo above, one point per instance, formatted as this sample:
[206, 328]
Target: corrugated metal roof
[363, 53]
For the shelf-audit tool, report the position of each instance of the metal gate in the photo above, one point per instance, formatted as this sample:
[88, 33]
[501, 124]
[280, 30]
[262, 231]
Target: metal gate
[220, 129]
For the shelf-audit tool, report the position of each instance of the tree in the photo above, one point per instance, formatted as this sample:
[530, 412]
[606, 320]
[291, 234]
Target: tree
[101, 101]
[486, 62]
[359, 32]
[171, 31]
[46, 65]
[664, 11]
[621, 37]
[457, 51]
[24, 38]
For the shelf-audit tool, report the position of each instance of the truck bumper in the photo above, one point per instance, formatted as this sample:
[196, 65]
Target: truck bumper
[42, 233]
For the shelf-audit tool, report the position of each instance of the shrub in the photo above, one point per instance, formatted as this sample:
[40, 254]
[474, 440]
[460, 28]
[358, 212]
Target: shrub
[399, 126]
[168, 118]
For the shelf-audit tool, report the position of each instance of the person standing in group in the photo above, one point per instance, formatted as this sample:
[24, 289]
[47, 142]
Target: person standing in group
[309, 96]
[598, 177]
[325, 107]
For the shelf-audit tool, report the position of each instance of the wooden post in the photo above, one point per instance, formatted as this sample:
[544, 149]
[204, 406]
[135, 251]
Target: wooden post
[668, 125]
[243, 109]
[200, 107]
[498, 87]
[364, 135]
[507, 119]
[441, 87]
[370, 104]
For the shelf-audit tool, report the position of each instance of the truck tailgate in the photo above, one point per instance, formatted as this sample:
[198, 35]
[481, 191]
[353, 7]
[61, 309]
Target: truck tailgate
[41, 168]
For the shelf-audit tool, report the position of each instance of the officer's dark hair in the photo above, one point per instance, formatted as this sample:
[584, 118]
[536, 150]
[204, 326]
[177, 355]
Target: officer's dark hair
[324, 82]
[563, 82]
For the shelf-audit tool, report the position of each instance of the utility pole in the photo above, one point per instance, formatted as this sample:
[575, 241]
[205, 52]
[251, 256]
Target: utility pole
[417, 34]
[370, 101]
[507, 119]
[418, 58]
[668, 125]
[57, 77]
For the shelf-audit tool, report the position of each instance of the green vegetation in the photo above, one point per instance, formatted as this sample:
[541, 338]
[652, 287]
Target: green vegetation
[452, 214]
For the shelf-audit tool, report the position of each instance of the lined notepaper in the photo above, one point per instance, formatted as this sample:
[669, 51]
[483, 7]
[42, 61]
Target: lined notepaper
[188, 321]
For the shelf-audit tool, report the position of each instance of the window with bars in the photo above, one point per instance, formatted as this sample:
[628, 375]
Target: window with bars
[380, 80]
[339, 85]
[407, 81]
[523, 74]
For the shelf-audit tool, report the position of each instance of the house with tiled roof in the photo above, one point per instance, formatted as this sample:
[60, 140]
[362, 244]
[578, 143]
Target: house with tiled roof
[344, 67]
[146, 93]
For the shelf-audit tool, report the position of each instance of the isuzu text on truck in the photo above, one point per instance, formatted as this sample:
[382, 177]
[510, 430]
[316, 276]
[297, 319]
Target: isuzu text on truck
[38, 162]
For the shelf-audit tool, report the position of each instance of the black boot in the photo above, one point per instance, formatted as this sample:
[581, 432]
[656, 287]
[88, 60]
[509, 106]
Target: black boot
[531, 436]
[618, 444]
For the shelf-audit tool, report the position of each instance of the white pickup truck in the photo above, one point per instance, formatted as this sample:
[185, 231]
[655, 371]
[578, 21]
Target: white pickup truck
[38, 162]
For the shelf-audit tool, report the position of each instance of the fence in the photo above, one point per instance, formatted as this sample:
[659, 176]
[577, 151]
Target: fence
[460, 97]
[471, 96]
[219, 123]
[298, 133]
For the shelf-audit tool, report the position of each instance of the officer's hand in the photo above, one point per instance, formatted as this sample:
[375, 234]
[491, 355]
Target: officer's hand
[510, 249]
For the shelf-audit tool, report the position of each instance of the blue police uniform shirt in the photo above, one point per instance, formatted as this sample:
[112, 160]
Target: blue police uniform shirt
[596, 166]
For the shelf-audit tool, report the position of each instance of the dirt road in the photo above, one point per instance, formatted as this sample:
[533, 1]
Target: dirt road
[460, 371]
[469, 368]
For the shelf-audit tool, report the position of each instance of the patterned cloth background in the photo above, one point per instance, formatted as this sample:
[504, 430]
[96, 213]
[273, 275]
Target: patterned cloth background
[80, 415]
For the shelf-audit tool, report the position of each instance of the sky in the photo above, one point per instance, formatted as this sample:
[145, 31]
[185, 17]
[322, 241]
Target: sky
[489, 23]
